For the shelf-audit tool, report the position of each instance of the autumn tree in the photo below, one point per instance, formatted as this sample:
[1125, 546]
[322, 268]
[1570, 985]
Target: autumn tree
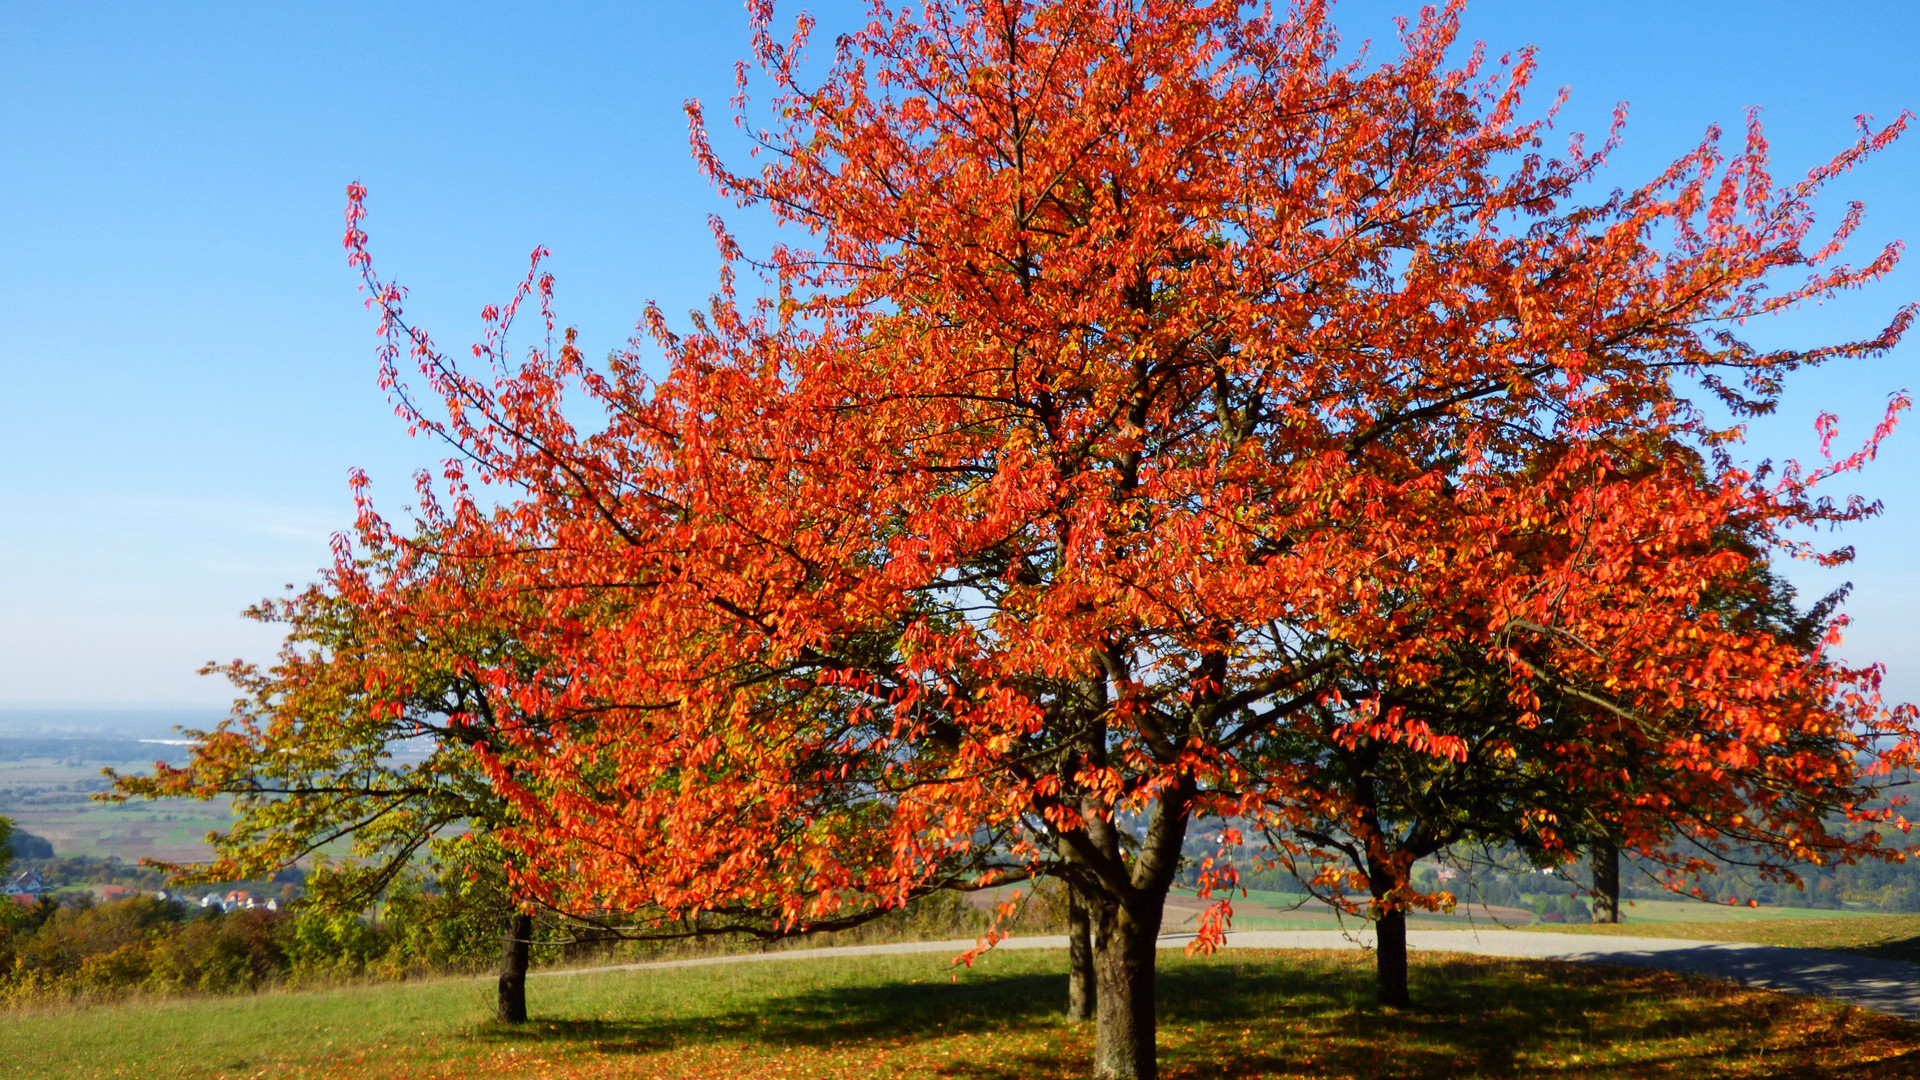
[1136, 381]
[362, 736]
[1555, 771]
[1788, 824]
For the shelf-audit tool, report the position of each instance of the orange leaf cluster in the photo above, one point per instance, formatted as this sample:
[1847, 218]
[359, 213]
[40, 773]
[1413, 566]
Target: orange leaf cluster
[1162, 419]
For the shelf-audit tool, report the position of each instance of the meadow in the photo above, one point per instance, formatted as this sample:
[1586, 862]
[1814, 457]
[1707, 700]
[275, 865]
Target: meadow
[1240, 1013]
[1890, 937]
[1261, 909]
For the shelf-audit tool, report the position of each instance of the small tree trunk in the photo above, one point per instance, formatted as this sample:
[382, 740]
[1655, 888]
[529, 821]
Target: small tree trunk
[1606, 881]
[1123, 1039]
[1080, 976]
[514, 952]
[1390, 960]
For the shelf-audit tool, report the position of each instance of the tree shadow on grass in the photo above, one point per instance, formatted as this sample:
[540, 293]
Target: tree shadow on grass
[1907, 949]
[1244, 1015]
[820, 1017]
[1494, 1018]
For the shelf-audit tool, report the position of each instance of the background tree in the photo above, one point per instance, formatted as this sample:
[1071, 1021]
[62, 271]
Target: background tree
[1551, 764]
[363, 736]
[1082, 983]
[1142, 360]
[1760, 603]
[365, 741]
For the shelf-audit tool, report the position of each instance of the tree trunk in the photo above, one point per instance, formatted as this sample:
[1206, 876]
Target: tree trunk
[1080, 976]
[1125, 899]
[1390, 960]
[1123, 956]
[514, 952]
[1606, 881]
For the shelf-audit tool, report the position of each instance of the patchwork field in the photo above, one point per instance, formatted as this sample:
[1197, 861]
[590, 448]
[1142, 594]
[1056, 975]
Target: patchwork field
[47, 790]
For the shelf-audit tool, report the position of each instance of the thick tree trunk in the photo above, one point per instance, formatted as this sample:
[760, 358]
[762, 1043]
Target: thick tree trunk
[1390, 960]
[1080, 975]
[1123, 948]
[514, 952]
[1125, 899]
[1606, 881]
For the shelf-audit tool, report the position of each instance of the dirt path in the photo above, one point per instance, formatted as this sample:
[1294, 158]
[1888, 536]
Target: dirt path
[1888, 986]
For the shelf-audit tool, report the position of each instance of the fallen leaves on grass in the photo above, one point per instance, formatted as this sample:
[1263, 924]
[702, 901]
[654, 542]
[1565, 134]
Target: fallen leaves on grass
[1235, 1017]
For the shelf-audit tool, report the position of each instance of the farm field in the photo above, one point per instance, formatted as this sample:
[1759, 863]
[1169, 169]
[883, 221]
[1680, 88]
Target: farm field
[1662, 912]
[1240, 1013]
[50, 795]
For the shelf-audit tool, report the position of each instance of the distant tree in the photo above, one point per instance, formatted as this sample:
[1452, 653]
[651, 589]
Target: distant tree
[1556, 771]
[21, 844]
[1147, 367]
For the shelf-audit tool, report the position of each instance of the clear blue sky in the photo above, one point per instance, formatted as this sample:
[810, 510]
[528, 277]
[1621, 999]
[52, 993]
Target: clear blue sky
[188, 372]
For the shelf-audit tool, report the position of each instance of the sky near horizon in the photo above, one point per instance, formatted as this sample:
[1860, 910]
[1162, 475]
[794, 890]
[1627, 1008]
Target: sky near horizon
[189, 373]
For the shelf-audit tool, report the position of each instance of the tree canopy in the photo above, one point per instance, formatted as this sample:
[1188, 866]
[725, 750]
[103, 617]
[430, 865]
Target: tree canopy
[1145, 408]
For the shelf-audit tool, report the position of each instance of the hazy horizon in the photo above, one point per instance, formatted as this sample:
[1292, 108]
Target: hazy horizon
[118, 721]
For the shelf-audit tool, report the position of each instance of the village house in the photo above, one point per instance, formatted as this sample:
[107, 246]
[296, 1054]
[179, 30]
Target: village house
[237, 900]
[28, 883]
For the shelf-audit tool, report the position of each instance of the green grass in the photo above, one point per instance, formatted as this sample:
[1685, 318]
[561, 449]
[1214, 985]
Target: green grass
[239, 1036]
[1695, 911]
[1238, 1014]
[1893, 937]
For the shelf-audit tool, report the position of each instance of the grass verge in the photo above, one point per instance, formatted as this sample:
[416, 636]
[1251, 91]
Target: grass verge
[1890, 937]
[1241, 1013]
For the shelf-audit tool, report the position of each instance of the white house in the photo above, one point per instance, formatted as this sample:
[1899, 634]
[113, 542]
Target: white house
[28, 883]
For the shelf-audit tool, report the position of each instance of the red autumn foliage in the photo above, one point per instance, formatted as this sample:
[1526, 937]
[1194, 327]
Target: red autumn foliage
[1158, 412]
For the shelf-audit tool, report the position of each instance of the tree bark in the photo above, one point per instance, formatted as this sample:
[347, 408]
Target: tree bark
[1606, 881]
[1388, 866]
[1081, 994]
[515, 950]
[1390, 960]
[1123, 957]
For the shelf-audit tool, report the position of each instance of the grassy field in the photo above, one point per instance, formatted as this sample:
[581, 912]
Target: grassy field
[1238, 1014]
[1893, 937]
[1261, 910]
[1695, 911]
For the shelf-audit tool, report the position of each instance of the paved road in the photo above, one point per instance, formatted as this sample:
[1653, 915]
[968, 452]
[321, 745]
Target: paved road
[1888, 986]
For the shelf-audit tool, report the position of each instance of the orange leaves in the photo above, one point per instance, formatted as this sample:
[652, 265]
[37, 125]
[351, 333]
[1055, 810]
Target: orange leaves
[1211, 931]
[1164, 421]
[1395, 727]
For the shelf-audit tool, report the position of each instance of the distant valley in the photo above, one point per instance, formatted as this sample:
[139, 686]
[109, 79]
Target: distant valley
[48, 779]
